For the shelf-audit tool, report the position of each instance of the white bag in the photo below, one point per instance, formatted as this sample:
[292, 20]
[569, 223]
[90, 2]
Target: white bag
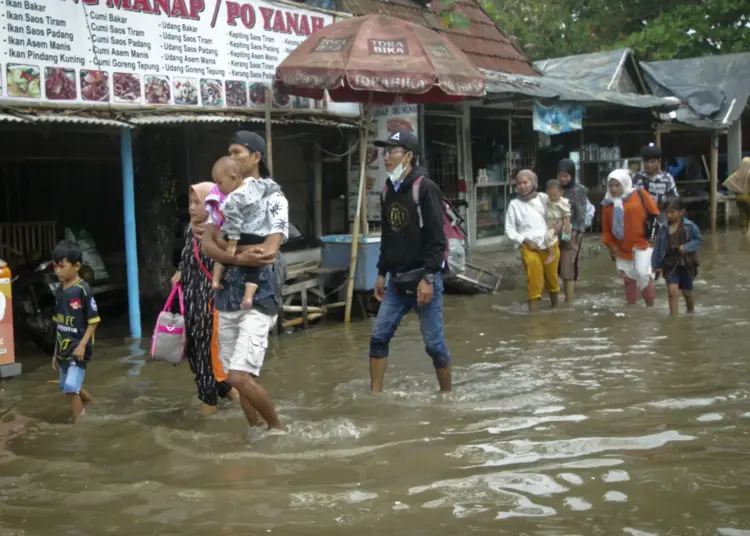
[168, 340]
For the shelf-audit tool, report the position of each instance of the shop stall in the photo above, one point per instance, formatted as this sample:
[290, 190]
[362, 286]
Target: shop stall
[84, 97]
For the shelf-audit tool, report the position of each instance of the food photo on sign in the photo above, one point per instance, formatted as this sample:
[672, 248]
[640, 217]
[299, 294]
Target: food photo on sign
[60, 84]
[24, 81]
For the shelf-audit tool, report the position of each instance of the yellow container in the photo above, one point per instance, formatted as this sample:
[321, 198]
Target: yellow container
[7, 349]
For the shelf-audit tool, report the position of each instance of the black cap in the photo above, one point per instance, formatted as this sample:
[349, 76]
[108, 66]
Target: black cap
[651, 152]
[402, 138]
[254, 143]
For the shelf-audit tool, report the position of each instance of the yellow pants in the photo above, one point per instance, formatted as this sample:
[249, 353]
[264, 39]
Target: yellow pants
[743, 207]
[540, 276]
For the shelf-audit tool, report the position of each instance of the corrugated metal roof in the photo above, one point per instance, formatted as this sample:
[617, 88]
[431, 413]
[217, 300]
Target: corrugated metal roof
[544, 88]
[178, 119]
[8, 118]
[485, 44]
[73, 119]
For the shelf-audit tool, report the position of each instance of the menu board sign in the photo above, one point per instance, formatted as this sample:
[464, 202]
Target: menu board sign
[202, 53]
[386, 121]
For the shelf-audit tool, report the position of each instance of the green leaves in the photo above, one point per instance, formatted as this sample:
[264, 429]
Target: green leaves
[456, 20]
[655, 30]
[451, 17]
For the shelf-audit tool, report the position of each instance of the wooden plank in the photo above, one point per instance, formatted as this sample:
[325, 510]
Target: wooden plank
[714, 179]
[299, 287]
[301, 268]
[322, 271]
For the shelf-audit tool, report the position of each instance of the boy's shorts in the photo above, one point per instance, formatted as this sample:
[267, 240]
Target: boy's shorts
[71, 379]
[681, 276]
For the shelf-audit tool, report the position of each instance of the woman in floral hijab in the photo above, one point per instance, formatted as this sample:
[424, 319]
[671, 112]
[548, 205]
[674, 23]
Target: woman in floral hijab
[193, 273]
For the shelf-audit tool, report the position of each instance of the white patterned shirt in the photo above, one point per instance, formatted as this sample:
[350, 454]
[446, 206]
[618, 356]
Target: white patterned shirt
[257, 208]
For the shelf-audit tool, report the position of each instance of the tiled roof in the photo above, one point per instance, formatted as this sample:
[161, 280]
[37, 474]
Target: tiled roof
[483, 42]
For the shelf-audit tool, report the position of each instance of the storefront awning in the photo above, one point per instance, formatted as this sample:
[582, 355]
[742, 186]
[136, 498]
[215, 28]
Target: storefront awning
[179, 119]
[502, 86]
[63, 118]
[8, 118]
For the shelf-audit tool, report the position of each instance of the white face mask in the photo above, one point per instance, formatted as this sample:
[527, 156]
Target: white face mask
[398, 171]
[395, 175]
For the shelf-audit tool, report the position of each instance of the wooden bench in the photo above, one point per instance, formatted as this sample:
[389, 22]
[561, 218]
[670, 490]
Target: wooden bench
[303, 281]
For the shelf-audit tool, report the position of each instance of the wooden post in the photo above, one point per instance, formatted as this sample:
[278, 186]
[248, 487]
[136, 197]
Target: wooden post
[318, 197]
[363, 163]
[657, 135]
[269, 141]
[714, 178]
[363, 135]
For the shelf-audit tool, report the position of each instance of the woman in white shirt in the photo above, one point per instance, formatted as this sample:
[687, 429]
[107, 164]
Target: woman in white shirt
[526, 225]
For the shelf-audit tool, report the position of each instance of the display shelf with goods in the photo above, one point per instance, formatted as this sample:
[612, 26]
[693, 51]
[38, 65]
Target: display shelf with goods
[491, 202]
[502, 145]
[495, 188]
[599, 161]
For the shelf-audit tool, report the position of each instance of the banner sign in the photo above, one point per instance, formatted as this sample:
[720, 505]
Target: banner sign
[386, 120]
[558, 118]
[202, 53]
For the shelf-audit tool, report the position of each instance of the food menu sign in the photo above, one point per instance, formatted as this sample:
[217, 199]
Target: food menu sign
[202, 53]
[386, 120]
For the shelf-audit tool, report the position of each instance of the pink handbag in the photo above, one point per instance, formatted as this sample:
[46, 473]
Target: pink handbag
[168, 341]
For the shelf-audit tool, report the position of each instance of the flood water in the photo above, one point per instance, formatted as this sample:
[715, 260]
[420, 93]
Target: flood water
[594, 420]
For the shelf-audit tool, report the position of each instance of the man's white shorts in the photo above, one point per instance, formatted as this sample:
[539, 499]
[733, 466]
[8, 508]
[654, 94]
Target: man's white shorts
[243, 339]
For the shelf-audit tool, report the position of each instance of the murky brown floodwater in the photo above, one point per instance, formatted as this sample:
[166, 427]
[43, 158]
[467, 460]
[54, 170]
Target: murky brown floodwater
[597, 420]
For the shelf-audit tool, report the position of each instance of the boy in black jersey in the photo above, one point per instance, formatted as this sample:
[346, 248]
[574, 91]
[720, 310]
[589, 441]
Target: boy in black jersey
[77, 318]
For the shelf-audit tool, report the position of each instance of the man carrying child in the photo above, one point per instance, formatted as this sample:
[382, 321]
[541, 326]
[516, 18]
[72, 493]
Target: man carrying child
[243, 333]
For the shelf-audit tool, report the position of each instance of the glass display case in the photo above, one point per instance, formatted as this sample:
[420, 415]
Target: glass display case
[491, 202]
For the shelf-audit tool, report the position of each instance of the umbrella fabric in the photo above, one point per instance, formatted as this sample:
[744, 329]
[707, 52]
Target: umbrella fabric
[379, 59]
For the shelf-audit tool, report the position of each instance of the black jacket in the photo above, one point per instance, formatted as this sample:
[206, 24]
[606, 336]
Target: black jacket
[404, 245]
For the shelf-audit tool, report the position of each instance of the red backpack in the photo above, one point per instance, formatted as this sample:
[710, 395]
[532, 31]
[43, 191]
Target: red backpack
[455, 251]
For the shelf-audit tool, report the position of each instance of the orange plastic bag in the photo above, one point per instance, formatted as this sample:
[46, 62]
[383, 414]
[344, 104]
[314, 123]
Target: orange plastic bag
[218, 368]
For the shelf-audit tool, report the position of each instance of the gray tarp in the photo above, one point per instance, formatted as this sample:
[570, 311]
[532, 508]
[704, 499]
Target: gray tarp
[599, 70]
[503, 85]
[715, 89]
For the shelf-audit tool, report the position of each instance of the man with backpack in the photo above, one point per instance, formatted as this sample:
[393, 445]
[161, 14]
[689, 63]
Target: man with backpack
[412, 256]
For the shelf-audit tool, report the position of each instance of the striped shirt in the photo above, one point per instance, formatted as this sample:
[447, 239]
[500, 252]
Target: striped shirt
[661, 187]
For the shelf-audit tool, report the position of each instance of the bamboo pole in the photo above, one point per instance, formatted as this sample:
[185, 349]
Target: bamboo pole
[658, 135]
[714, 178]
[269, 141]
[365, 223]
[363, 135]
[299, 321]
[300, 309]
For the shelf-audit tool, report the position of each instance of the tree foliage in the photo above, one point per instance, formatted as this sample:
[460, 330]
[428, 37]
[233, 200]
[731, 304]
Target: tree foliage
[667, 29]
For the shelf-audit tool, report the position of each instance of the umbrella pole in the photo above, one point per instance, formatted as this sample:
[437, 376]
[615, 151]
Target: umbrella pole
[363, 135]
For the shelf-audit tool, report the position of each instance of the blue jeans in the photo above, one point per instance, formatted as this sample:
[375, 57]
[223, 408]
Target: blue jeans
[392, 311]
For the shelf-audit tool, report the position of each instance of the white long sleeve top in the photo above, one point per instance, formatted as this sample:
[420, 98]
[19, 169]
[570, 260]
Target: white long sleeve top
[526, 220]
